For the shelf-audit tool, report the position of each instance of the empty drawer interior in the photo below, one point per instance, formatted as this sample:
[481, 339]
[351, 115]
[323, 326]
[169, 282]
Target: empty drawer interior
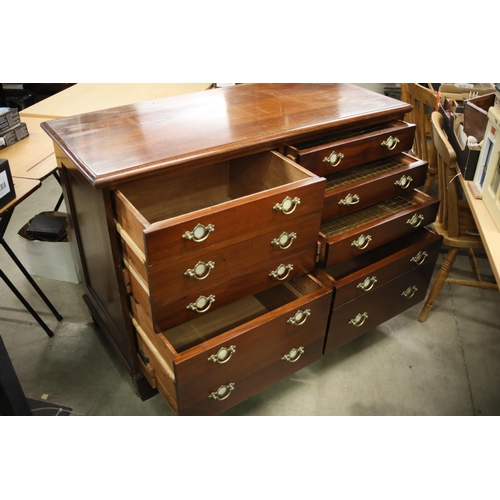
[188, 190]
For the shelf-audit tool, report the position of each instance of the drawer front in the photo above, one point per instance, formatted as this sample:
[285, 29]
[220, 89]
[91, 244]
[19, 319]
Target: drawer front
[167, 313]
[197, 399]
[358, 233]
[361, 187]
[365, 313]
[207, 267]
[354, 149]
[370, 279]
[253, 345]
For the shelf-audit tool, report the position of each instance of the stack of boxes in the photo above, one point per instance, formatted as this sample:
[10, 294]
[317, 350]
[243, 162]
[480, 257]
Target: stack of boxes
[12, 130]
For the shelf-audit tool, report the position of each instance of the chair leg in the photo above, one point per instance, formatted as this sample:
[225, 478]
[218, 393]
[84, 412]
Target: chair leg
[473, 264]
[438, 284]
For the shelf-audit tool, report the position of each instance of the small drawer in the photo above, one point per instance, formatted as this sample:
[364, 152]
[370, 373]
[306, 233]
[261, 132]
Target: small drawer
[210, 266]
[366, 273]
[191, 209]
[166, 311]
[328, 155]
[359, 316]
[347, 237]
[359, 187]
[245, 346]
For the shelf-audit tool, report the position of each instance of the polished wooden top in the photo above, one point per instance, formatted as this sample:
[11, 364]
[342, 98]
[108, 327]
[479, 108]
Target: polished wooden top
[87, 97]
[133, 141]
[32, 157]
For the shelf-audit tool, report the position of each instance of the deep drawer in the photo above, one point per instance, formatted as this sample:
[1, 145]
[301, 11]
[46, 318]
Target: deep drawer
[368, 272]
[360, 187]
[195, 208]
[360, 232]
[359, 316]
[242, 344]
[329, 155]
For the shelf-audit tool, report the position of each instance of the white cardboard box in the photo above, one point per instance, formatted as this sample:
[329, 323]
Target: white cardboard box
[54, 260]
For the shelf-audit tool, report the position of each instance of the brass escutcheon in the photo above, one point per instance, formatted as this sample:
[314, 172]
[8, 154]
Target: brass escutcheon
[288, 205]
[416, 220]
[202, 304]
[285, 240]
[367, 284]
[223, 392]
[199, 233]
[294, 354]
[223, 355]
[419, 259]
[201, 270]
[362, 242]
[350, 199]
[359, 319]
[333, 158]
[409, 292]
[404, 182]
[300, 317]
[390, 143]
[282, 272]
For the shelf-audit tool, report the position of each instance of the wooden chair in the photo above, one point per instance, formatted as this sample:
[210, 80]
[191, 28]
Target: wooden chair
[423, 101]
[454, 220]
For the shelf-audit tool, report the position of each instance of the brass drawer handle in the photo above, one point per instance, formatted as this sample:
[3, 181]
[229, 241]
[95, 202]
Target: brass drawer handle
[223, 392]
[333, 158]
[293, 355]
[282, 272]
[223, 355]
[409, 292]
[367, 284]
[350, 199]
[362, 242]
[288, 205]
[390, 143]
[300, 317]
[416, 220]
[404, 182]
[359, 319]
[200, 271]
[285, 240]
[199, 233]
[419, 259]
[202, 304]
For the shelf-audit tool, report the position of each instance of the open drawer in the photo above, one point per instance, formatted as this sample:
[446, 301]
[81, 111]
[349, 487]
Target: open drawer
[189, 209]
[359, 187]
[347, 237]
[209, 364]
[327, 155]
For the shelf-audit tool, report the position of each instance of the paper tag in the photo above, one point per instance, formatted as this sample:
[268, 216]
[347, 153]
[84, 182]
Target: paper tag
[4, 184]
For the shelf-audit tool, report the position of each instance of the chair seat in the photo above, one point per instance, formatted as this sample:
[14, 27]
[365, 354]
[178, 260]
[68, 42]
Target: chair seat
[461, 241]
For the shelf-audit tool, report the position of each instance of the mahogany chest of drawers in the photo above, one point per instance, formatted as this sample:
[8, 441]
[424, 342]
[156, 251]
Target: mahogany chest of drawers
[231, 237]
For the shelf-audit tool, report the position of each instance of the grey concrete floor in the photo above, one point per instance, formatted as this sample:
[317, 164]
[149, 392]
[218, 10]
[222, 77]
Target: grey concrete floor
[449, 365]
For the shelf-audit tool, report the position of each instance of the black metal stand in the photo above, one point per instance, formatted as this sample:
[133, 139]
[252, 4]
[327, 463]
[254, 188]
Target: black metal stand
[4, 222]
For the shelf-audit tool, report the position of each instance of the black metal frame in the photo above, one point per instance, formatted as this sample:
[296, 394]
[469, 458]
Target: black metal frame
[4, 222]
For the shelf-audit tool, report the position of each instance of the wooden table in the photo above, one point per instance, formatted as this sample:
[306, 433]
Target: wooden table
[87, 97]
[32, 157]
[490, 235]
